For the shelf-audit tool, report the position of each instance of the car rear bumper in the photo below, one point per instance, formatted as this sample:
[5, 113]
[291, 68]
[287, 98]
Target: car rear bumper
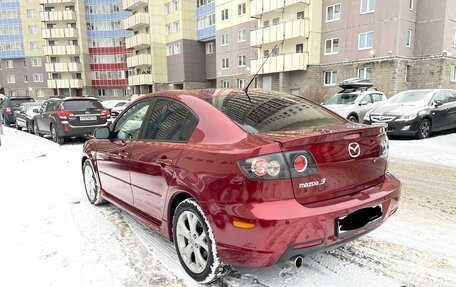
[284, 229]
[67, 130]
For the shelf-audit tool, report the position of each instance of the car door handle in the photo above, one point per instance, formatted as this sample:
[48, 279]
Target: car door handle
[123, 154]
[164, 161]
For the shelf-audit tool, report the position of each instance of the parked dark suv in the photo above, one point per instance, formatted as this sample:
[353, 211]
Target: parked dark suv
[69, 117]
[9, 106]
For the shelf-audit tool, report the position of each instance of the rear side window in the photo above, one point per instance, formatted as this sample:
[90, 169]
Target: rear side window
[377, 97]
[272, 111]
[82, 105]
[17, 102]
[170, 121]
[129, 125]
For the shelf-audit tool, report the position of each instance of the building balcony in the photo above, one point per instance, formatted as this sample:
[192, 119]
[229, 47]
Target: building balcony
[55, 16]
[46, 2]
[61, 50]
[137, 21]
[259, 7]
[63, 67]
[59, 33]
[138, 41]
[134, 4]
[286, 30]
[137, 80]
[280, 63]
[65, 84]
[139, 60]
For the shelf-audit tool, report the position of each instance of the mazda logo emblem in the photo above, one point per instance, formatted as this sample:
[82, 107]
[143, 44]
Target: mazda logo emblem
[354, 150]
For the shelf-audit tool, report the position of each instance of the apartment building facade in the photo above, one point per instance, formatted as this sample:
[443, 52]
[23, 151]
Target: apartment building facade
[398, 44]
[22, 63]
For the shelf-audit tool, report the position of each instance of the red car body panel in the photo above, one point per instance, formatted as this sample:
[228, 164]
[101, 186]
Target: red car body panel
[287, 218]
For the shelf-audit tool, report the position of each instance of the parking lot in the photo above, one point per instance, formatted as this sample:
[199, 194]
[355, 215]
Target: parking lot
[51, 232]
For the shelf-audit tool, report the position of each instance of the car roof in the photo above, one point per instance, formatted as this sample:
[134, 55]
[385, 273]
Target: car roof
[72, 98]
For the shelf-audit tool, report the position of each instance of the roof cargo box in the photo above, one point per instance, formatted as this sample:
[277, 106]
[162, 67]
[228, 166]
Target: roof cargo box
[356, 83]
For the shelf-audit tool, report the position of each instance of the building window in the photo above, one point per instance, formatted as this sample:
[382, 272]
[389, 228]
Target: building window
[242, 60]
[266, 23]
[300, 48]
[36, 62]
[31, 13]
[33, 30]
[365, 73]
[34, 45]
[225, 63]
[332, 46]
[167, 8]
[275, 21]
[11, 79]
[39, 93]
[411, 5]
[240, 83]
[168, 29]
[9, 64]
[365, 40]
[25, 79]
[101, 93]
[224, 14]
[242, 35]
[38, 78]
[333, 13]
[409, 38]
[224, 84]
[241, 9]
[275, 52]
[408, 73]
[177, 26]
[224, 39]
[177, 48]
[210, 48]
[453, 74]
[169, 50]
[367, 6]
[176, 5]
[300, 15]
[330, 78]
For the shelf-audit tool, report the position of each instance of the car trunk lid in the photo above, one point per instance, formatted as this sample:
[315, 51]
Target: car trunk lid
[339, 170]
[84, 112]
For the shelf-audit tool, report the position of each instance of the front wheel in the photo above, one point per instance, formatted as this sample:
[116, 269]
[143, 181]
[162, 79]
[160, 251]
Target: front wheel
[424, 130]
[195, 243]
[352, 118]
[90, 183]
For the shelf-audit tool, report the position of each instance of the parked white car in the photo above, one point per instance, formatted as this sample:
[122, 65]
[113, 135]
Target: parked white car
[109, 104]
[355, 100]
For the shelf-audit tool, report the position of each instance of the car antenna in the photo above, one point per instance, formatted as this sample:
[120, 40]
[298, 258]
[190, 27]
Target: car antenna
[246, 89]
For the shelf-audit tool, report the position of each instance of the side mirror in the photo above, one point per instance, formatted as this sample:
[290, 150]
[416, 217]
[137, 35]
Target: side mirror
[36, 111]
[102, 133]
[438, 103]
[363, 103]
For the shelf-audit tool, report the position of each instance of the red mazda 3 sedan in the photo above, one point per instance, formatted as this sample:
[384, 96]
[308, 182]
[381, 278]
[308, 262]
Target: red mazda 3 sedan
[242, 179]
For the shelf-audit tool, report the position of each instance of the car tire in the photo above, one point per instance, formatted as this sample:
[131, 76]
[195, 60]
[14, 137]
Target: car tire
[353, 119]
[55, 137]
[424, 130]
[36, 130]
[90, 184]
[195, 243]
[29, 127]
[17, 127]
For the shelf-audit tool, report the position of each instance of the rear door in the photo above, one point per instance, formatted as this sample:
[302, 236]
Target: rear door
[365, 108]
[154, 159]
[114, 154]
[43, 120]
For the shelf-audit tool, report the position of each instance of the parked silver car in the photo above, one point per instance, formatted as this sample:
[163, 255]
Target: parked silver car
[355, 100]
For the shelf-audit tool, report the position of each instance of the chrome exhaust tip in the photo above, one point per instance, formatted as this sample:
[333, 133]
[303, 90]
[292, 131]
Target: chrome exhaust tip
[296, 261]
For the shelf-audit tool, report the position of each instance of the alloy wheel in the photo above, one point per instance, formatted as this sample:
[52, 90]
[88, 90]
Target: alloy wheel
[425, 129]
[90, 184]
[192, 242]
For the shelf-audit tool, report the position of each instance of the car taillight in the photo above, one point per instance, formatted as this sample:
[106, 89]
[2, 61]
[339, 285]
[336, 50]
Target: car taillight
[8, 110]
[266, 167]
[384, 146]
[64, 114]
[106, 113]
[280, 165]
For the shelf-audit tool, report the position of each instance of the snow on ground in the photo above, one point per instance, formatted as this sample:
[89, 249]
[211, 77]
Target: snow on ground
[439, 149]
[51, 236]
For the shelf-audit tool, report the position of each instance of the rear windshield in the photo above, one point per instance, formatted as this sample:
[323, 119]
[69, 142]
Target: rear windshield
[82, 105]
[272, 111]
[17, 102]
